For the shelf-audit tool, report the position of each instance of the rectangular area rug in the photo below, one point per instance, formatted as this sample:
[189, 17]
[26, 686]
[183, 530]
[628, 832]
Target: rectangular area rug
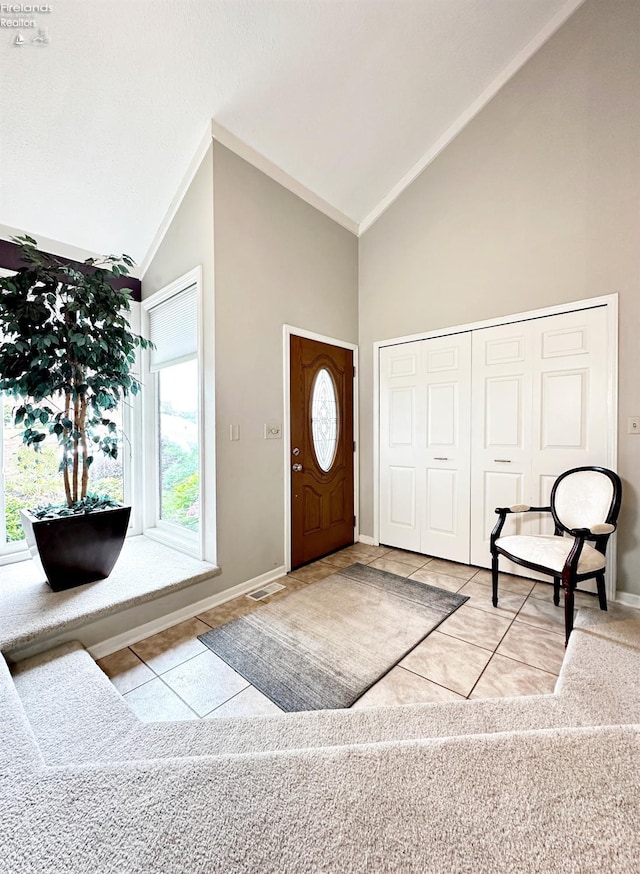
[323, 646]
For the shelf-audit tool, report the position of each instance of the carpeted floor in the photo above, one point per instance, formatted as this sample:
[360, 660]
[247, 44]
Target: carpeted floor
[322, 647]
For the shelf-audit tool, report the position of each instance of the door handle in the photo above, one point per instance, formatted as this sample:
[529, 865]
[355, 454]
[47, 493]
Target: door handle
[440, 458]
[503, 460]
[296, 467]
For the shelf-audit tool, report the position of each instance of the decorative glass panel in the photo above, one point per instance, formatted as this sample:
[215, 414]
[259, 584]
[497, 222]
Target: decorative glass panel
[324, 419]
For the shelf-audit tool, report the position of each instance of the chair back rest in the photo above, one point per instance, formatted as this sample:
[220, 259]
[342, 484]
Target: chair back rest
[586, 496]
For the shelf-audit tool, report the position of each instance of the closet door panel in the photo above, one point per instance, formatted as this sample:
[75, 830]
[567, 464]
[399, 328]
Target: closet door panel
[569, 400]
[425, 391]
[501, 431]
[400, 467]
[570, 391]
[446, 378]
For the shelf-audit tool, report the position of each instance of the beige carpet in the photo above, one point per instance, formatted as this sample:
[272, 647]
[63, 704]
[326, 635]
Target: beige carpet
[323, 646]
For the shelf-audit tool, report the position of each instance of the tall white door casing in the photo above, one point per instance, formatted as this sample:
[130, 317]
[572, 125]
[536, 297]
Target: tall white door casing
[489, 417]
[425, 391]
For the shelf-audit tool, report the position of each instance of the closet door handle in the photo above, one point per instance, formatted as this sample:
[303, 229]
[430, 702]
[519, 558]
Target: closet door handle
[503, 460]
[440, 458]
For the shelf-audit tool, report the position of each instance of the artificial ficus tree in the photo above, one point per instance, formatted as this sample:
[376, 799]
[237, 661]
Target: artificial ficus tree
[66, 354]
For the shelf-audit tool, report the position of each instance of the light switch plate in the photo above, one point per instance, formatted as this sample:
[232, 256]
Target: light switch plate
[272, 431]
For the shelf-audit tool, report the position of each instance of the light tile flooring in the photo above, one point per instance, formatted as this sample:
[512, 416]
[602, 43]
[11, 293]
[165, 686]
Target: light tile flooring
[478, 652]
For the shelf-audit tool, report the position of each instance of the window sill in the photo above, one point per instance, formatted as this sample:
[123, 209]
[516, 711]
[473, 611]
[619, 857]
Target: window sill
[170, 536]
[31, 611]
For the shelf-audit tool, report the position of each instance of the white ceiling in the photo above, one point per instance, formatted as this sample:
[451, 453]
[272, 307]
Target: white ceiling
[348, 97]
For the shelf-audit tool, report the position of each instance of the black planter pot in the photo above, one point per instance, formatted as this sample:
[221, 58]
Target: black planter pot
[77, 549]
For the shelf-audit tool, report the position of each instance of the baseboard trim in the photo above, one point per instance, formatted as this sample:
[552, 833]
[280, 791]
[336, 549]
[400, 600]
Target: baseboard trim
[628, 599]
[369, 541]
[134, 635]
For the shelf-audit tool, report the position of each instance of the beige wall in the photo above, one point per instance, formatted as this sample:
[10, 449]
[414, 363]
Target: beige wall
[188, 243]
[536, 202]
[277, 260]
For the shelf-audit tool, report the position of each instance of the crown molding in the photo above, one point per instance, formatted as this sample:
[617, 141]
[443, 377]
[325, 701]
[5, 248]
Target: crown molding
[216, 131]
[463, 120]
[257, 160]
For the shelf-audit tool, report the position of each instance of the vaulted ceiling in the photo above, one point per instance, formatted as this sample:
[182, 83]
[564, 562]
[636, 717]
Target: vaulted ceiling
[350, 98]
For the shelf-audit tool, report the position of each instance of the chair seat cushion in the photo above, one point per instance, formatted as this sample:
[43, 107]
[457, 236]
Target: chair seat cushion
[550, 552]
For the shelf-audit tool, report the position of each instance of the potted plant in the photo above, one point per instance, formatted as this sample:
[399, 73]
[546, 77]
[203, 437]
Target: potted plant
[66, 353]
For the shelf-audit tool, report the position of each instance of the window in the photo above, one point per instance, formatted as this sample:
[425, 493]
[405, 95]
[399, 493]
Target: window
[171, 396]
[178, 476]
[29, 479]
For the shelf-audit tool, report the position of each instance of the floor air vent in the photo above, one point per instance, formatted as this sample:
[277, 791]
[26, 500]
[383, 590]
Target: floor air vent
[259, 594]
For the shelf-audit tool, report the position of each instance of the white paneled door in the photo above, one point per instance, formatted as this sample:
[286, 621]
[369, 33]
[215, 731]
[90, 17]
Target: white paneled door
[501, 424]
[484, 419]
[425, 445]
[539, 408]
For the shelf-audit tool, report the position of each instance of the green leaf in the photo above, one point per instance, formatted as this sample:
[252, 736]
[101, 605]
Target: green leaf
[63, 335]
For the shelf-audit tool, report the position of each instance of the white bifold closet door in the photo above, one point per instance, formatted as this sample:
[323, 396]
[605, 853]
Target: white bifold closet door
[425, 393]
[484, 419]
[539, 407]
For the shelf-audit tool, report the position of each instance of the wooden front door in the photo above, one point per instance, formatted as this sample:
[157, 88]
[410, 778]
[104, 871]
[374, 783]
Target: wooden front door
[321, 394]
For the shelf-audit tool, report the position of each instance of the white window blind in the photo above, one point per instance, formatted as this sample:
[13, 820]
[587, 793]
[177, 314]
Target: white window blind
[173, 328]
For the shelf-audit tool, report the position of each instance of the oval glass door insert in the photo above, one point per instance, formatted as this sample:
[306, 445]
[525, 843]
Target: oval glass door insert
[324, 419]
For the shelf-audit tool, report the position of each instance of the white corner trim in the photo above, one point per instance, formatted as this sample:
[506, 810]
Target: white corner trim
[257, 160]
[479, 103]
[369, 541]
[174, 206]
[629, 599]
[134, 635]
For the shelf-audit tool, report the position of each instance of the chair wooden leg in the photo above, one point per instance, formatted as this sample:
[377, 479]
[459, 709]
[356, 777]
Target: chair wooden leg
[569, 599]
[556, 590]
[494, 579]
[602, 592]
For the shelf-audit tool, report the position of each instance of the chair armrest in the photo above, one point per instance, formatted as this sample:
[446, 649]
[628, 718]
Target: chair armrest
[603, 528]
[598, 530]
[521, 508]
[503, 512]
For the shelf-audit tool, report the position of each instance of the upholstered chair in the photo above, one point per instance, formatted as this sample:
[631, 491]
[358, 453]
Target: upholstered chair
[585, 503]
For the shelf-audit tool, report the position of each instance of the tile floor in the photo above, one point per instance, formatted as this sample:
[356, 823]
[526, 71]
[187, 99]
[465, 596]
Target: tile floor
[478, 652]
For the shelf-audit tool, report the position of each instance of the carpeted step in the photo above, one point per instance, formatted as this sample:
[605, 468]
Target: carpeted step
[619, 624]
[74, 711]
[561, 801]
[597, 686]
[18, 747]
[77, 714]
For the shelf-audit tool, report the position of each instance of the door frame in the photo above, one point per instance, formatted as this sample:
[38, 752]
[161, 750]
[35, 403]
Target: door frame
[287, 332]
[610, 301]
